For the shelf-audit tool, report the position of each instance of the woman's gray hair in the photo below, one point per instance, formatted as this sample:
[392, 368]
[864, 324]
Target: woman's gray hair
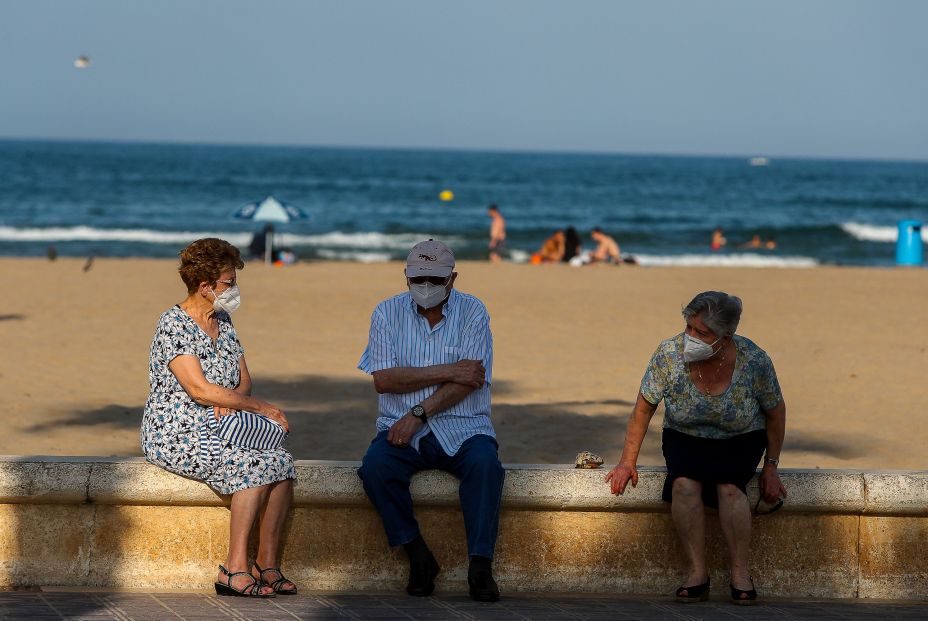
[718, 310]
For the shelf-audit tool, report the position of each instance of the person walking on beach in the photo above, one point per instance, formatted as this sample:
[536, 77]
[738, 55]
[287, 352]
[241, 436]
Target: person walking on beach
[430, 352]
[724, 412]
[607, 250]
[497, 233]
[198, 376]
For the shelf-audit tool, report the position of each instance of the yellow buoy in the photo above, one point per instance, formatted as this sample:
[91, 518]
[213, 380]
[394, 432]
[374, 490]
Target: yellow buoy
[446, 195]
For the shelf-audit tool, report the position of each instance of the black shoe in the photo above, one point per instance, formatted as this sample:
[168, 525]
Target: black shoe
[742, 597]
[422, 572]
[483, 587]
[696, 593]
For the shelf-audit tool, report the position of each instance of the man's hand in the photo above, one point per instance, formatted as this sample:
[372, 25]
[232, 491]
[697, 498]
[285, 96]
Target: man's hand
[469, 373]
[620, 476]
[403, 430]
[771, 487]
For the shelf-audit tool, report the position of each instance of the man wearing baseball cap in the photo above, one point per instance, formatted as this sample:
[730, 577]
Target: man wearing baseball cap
[430, 352]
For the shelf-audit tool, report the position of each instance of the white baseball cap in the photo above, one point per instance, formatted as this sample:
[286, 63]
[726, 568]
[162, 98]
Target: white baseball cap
[429, 258]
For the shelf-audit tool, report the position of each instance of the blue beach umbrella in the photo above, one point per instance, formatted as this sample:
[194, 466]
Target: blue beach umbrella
[270, 210]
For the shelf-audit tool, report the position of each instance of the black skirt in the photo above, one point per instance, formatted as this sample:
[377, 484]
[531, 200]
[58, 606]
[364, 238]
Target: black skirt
[711, 461]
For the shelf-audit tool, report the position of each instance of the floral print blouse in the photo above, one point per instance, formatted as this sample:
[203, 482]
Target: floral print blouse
[740, 409]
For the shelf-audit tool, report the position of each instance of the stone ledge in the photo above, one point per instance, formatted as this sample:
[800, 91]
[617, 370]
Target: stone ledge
[132, 481]
[123, 523]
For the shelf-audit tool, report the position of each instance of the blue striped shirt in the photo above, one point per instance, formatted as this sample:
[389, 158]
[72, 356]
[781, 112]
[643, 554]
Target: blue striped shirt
[401, 337]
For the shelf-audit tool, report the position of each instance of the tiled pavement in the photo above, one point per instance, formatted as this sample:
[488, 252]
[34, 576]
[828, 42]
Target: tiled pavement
[39, 606]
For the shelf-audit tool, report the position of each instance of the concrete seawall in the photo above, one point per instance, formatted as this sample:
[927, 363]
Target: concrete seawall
[120, 522]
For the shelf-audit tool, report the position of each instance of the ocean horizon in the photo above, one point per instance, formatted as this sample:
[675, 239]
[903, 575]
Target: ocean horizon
[145, 199]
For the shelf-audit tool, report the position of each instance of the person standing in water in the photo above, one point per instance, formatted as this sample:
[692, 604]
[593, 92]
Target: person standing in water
[497, 233]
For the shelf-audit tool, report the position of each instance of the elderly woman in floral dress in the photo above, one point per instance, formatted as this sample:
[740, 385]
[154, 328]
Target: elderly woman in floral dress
[197, 371]
[724, 411]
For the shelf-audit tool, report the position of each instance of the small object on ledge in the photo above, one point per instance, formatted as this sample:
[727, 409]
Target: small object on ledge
[588, 460]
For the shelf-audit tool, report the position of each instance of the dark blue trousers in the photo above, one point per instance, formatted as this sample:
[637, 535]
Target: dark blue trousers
[386, 471]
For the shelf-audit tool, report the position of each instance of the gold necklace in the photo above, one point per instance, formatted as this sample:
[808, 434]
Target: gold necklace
[715, 375]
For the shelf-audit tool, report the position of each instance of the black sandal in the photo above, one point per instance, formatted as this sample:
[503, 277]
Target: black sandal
[249, 590]
[276, 585]
[737, 595]
[698, 593]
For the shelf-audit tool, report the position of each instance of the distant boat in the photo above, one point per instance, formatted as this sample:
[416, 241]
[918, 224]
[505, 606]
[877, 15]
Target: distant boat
[758, 161]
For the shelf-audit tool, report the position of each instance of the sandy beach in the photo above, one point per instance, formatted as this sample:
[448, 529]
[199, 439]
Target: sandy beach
[571, 345]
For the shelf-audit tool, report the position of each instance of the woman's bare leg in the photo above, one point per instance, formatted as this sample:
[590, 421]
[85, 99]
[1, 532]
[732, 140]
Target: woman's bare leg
[272, 524]
[689, 518]
[244, 510]
[735, 520]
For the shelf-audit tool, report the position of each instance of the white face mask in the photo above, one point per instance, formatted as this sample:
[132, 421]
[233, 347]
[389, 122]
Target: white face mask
[228, 301]
[695, 350]
[428, 295]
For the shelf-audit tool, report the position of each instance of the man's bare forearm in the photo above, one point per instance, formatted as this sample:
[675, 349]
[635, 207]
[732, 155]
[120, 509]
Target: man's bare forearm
[448, 395]
[400, 380]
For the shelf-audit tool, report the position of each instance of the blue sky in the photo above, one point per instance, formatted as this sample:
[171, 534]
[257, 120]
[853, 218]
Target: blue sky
[804, 78]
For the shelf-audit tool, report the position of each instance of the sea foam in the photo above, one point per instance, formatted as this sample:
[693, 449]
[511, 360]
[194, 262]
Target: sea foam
[334, 239]
[874, 233]
[723, 260]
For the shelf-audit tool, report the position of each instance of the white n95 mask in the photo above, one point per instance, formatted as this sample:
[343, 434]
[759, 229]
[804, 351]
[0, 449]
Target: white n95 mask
[228, 301]
[427, 295]
[695, 350]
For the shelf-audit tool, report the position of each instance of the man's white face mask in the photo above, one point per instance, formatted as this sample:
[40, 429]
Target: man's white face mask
[427, 294]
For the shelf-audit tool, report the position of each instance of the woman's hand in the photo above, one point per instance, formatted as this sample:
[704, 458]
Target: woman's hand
[219, 412]
[771, 487]
[620, 476]
[275, 414]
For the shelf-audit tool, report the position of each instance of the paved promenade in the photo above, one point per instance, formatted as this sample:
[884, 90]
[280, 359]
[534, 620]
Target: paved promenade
[100, 606]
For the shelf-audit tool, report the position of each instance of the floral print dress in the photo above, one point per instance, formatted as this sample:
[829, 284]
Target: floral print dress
[740, 409]
[176, 430]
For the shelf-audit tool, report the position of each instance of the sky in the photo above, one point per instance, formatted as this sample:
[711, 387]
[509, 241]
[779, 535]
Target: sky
[802, 78]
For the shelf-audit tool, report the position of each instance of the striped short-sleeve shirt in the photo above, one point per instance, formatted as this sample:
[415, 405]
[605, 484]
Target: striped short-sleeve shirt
[401, 337]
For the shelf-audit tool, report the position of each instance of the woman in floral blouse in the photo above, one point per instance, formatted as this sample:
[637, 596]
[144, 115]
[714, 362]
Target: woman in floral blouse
[197, 371]
[723, 411]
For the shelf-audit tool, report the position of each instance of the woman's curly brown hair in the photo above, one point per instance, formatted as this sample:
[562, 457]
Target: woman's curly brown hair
[205, 260]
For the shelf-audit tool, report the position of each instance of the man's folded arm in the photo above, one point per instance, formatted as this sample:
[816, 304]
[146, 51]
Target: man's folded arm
[447, 396]
[400, 380]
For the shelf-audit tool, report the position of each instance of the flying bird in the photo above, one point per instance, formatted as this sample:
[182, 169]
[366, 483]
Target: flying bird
[82, 62]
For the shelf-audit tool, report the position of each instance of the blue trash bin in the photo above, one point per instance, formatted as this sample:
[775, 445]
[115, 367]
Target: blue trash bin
[909, 243]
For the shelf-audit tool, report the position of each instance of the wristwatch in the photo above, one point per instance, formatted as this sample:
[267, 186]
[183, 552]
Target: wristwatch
[419, 412]
[772, 461]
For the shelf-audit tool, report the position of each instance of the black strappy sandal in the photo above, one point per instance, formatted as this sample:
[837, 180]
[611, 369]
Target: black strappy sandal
[276, 585]
[249, 590]
[737, 595]
[698, 593]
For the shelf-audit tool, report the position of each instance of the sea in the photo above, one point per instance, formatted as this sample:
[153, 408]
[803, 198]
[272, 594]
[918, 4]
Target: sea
[370, 205]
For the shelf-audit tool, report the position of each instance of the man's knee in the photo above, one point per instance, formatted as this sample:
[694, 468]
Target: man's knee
[482, 456]
[489, 466]
[376, 461]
